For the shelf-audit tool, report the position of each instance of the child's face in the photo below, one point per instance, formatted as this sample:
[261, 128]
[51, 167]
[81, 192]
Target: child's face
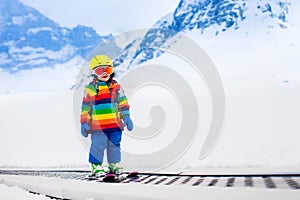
[103, 77]
[103, 72]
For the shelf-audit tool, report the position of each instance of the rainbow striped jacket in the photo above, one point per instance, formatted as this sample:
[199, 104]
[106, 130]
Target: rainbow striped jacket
[103, 106]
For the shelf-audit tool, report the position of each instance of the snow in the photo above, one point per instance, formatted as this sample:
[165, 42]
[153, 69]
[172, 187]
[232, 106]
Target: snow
[39, 132]
[15, 193]
[259, 69]
[36, 30]
[61, 77]
[30, 53]
[17, 20]
[262, 109]
[261, 129]
[72, 189]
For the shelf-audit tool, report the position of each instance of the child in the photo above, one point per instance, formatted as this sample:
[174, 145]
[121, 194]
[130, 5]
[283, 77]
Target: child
[104, 113]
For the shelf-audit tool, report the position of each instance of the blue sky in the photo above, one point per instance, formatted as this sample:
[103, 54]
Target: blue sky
[110, 16]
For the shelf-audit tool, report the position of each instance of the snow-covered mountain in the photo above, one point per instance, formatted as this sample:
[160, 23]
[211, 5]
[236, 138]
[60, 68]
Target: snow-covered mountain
[235, 33]
[213, 18]
[227, 13]
[31, 40]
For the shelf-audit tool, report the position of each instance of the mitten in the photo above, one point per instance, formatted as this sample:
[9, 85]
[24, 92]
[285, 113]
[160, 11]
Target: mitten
[128, 122]
[85, 129]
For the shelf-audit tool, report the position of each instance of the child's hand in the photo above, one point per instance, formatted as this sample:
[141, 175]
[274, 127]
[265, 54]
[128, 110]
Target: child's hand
[85, 129]
[128, 122]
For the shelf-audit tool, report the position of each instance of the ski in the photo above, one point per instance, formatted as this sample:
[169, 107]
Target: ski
[113, 178]
[92, 177]
[109, 178]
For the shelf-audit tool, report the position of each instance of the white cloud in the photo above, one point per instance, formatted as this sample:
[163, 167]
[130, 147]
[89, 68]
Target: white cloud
[105, 16]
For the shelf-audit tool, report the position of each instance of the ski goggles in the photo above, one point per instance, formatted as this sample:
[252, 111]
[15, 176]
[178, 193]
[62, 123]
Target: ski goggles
[101, 69]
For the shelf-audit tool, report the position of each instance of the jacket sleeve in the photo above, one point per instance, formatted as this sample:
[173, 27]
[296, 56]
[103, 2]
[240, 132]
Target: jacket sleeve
[123, 103]
[86, 106]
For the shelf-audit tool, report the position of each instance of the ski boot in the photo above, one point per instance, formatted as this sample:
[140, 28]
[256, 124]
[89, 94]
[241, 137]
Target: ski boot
[115, 168]
[98, 170]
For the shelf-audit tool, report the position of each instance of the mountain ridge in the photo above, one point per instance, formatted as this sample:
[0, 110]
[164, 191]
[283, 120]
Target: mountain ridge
[31, 40]
[205, 15]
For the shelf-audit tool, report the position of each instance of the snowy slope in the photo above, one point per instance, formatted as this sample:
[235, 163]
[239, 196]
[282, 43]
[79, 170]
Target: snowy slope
[261, 131]
[59, 77]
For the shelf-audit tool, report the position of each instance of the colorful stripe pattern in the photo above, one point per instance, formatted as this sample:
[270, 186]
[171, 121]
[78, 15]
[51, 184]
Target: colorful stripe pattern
[103, 106]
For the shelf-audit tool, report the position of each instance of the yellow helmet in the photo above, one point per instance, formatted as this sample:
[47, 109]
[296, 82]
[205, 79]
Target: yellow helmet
[100, 60]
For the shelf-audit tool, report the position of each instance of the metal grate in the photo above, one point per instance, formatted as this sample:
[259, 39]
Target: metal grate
[198, 182]
[161, 180]
[213, 182]
[269, 182]
[185, 181]
[258, 181]
[230, 182]
[293, 184]
[248, 182]
[173, 180]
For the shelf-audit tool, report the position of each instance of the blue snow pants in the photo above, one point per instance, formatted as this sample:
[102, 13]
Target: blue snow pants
[109, 141]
